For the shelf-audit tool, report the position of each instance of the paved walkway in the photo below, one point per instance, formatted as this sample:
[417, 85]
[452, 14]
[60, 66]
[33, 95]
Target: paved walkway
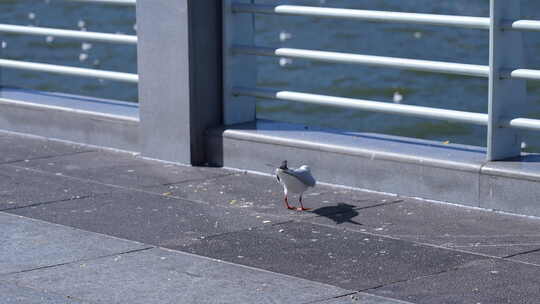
[83, 225]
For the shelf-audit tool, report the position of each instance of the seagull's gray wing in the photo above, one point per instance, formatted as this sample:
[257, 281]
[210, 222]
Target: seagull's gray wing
[304, 175]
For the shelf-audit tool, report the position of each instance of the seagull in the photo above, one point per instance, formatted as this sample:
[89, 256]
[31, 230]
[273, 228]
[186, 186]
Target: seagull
[294, 181]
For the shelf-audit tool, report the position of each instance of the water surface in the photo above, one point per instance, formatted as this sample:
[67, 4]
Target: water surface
[380, 84]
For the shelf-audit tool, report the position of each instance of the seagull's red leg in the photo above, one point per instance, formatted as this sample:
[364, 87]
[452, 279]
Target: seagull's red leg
[302, 206]
[287, 203]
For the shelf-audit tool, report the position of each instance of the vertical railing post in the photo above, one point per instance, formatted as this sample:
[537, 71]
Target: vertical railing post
[180, 77]
[238, 70]
[507, 97]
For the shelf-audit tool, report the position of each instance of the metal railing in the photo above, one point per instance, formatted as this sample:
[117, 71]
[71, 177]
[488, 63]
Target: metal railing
[113, 2]
[72, 34]
[504, 75]
[382, 16]
[378, 61]
[367, 105]
[80, 35]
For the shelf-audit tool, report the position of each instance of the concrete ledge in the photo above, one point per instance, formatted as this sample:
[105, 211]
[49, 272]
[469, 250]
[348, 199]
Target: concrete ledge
[80, 119]
[404, 166]
[512, 185]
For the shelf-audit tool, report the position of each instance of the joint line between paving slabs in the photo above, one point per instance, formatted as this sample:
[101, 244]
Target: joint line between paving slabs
[51, 202]
[45, 157]
[78, 261]
[198, 180]
[521, 253]
[213, 236]
[381, 204]
[366, 290]
[331, 298]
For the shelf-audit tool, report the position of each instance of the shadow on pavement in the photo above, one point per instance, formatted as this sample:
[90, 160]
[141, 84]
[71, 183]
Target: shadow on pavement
[340, 213]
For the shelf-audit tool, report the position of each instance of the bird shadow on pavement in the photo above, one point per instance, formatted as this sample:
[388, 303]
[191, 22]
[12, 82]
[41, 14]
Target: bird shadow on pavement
[340, 213]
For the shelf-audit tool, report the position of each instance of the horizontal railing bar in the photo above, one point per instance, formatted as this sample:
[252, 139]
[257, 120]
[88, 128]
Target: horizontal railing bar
[380, 61]
[65, 70]
[366, 105]
[525, 74]
[526, 25]
[524, 124]
[114, 2]
[82, 35]
[367, 15]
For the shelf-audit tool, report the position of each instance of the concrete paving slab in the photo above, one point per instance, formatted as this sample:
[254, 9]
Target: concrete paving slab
[264, 194]
[29, 244]
[15, 148]
[444, 225]
[148, 218]
[21, 187]
[123, 169]
[162, 276]
[14, 294]
[347, 259]
[481, 281]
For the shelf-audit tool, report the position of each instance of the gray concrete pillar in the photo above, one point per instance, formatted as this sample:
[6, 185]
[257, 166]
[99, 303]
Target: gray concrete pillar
[180, 70]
